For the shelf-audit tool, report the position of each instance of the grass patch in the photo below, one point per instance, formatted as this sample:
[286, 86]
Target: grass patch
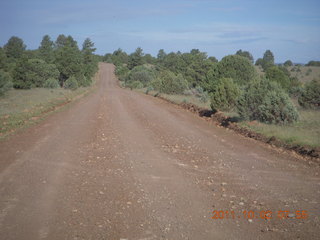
[305, 132]
[303, 73]
[177, 98]
[21, 108]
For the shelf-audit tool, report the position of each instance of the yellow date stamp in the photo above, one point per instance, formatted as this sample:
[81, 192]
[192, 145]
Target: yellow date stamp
[265, 215]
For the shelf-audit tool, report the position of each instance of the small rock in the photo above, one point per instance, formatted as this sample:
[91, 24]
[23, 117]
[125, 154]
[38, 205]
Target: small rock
[241, 203]
[223, 184]
[250, 220]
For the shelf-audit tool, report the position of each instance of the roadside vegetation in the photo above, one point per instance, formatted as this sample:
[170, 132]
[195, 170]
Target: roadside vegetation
[35, 82]
[263, 96]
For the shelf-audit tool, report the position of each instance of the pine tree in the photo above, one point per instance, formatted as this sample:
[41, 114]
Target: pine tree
[46, 49]
[14, 47]
[136, 58]
[68, 58]
[89, 62]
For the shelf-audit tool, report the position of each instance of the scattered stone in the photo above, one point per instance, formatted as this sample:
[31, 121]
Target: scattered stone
[241, 203]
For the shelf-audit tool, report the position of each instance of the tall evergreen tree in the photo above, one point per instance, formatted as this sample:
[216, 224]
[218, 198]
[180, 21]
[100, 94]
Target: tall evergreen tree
[68, 58]
[245, 54]
[89, 62]
[161, 56]
[60, 41]
[14, 47]
[267, 60]
[136, 58]
[3, 59]
[46, 49]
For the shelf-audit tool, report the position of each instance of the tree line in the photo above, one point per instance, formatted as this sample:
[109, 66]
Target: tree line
[58, 63]
[231, 84]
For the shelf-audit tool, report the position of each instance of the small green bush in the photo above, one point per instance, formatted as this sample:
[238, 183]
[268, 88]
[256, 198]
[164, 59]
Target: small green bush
[309, 71]
[143, 74]
[83, 81]
[288, 63]
[51, 83]
[224, 95]
[143, 77]
[170, 83]
[5, 82]
[267, 102]
[71, 83]
[279, 75]
[204, 97]
[122, 72]
[239, 68]
[149, 88]
[310, 96]
[135, 85]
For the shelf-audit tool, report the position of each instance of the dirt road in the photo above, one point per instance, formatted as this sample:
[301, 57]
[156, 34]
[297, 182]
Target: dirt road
[122, 165]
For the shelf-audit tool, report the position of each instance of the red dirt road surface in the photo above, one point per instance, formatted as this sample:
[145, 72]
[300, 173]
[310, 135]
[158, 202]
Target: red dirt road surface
[123, 165]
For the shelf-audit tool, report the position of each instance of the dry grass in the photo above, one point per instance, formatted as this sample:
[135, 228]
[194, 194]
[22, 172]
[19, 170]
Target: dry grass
[179, 98]
[20, 108]
[303, 73]
[305, 132]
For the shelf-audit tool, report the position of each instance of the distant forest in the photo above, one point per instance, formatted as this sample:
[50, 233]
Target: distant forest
[54, 64]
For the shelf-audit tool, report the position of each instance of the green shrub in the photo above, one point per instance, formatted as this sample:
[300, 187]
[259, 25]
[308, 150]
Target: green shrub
[38, 71]
[143, 77]
[313, 63]
[143, 74]
[199, 91]
[267, 102]
[122, 72]
[149, 88]
[279, 75]
[224, 95]
[71, 83]
[288, 63]
[204, 97]
[135, 85]
[239, 68]
[5, 82]
[51, 83]
[170, 83]
[83, 81]
[309, 71]
[310, 96]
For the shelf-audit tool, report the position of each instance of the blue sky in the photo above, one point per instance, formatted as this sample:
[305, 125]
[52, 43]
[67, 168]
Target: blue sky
[290, 29]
